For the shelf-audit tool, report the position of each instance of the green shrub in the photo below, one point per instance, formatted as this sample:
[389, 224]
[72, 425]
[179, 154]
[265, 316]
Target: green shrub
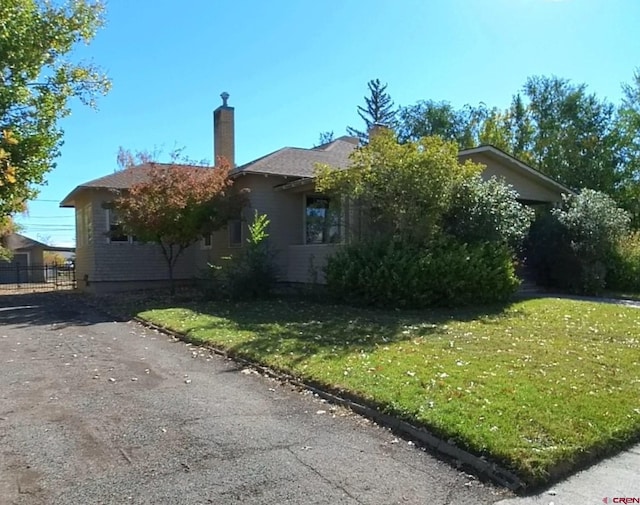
[574, 247]
[399, 190]
[252, 273]
[550, 255]
[625, 267]
[447, 272]
[482, 211]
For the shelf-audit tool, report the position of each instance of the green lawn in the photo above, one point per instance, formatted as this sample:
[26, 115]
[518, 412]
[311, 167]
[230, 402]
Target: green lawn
[540, 385]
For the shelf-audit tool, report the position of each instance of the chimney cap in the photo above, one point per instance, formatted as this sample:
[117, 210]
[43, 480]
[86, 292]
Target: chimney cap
[225, 96]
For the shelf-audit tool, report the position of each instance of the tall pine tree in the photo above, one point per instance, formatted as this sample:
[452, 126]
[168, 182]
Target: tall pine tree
[378, 110]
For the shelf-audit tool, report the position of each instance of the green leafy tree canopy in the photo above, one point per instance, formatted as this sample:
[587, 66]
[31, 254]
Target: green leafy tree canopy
[489, 210]
[399, 189]
[37, 81]
[430, 118]
[629, 149]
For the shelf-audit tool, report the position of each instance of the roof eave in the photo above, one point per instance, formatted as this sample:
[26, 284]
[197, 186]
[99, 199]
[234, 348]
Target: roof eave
[68, 201]
[264, 173]
[298, 183]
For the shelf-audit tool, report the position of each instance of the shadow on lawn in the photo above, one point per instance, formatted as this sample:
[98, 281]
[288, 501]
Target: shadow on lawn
[299, 328]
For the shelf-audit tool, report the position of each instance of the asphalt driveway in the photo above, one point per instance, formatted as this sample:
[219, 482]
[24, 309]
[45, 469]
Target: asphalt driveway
[94, 411]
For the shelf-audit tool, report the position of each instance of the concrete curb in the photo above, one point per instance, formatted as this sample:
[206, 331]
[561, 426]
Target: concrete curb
[476, 464]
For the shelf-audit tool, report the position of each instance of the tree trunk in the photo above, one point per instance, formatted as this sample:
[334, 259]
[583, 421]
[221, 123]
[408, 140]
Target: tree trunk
[167, 252]
[172, 257]
[172, 282]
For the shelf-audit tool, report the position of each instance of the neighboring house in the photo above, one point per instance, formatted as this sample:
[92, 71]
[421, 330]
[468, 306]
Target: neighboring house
[303, 230]
[27, 262]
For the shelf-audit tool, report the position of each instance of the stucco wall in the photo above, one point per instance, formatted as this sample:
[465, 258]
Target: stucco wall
[528, 186]
[36, 259]
[307, 262]
[36, 256]
[104, 261]
[84, 260]
[284, 210]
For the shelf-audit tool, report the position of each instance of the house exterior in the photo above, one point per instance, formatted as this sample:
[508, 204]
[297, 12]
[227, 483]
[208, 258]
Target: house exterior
[281, 185]
[27, 262]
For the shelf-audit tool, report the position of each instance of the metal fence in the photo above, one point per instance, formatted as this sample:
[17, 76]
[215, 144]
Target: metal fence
[17, 277]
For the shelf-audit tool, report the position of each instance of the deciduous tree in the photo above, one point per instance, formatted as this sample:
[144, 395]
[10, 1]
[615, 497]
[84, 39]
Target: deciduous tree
[629, 149]
[53, 258]
[7, 226]
[176, 205]
[430, 118]
[427, 228]
[574, 136]
[37, 80]
[399, 189]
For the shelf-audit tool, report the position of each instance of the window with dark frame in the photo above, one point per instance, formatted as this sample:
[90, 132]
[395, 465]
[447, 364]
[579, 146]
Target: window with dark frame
[235, 232]
[116, 234]
[322, 220]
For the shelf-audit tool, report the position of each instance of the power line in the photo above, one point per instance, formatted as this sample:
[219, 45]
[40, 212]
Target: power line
[68, 225]
[46, 217]
[68, 228]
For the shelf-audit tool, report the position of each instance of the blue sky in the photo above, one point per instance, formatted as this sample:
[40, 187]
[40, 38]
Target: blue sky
[295, 68]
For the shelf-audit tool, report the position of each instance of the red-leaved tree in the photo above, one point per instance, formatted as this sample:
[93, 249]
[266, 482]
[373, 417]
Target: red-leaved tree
[176, 205]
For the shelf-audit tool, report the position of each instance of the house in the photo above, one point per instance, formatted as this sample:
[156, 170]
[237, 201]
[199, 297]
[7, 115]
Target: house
[27, 263]
[281, 185]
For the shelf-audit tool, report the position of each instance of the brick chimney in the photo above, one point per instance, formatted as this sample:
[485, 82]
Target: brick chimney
[223, 132]
[375, 129]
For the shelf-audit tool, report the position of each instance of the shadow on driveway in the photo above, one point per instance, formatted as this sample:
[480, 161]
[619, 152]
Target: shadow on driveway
[58, 309]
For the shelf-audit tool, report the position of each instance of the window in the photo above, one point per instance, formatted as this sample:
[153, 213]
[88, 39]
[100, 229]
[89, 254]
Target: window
[84, 227]
[322, 220]
[116, 233]
[235, 232]
[206, 241]
[80, 233]
[88, 225]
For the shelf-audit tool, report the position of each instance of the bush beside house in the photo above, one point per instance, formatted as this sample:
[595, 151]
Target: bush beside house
[584, 246]
[445, 272]
[430, 231]
[250, 274]
[624, 274]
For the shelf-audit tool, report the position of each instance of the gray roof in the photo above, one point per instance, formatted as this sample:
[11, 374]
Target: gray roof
[300, 162]
[122, 179]
[288, 161]
[17, 242]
